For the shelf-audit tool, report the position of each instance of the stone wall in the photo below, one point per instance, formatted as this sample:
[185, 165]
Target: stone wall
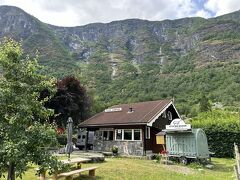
[124, 147]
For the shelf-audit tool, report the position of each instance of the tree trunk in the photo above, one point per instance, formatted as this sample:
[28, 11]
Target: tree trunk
[11, 172]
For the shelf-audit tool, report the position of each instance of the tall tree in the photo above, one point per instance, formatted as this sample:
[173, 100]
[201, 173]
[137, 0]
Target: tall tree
[204, 104]
[22, 137]
[70, 100]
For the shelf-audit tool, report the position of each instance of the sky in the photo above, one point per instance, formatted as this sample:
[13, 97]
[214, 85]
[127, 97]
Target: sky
[81, 12]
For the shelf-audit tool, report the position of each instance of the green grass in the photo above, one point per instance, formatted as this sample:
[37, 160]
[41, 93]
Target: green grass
[137, 169]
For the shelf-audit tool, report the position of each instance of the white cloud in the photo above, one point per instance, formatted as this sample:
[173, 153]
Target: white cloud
[220, 7]
[80, 12]
[203, 13]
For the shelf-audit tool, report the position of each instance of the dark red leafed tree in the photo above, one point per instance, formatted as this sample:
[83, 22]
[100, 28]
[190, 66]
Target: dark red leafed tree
[70, 100]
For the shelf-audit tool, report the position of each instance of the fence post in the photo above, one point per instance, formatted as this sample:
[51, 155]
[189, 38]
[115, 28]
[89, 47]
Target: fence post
[237, 166]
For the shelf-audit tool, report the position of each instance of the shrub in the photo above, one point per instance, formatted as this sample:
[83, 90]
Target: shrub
[114, 149]
[62, 139]
[222, 129]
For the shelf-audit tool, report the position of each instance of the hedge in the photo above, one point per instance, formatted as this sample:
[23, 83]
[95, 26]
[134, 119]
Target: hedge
[221, 142]
[222, 129]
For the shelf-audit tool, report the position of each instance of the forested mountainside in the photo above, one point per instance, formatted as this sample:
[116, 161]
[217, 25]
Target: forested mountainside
[138, 60]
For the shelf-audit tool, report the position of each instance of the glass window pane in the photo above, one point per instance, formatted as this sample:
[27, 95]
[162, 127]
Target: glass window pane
[137, 134]
[127, 134]
[110, 135]
[119, 134]
[147, 132]
[105, 136]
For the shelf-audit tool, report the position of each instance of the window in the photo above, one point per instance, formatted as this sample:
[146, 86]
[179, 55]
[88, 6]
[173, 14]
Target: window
[110, 135]
[128, 134]
[119, 134]
[107, 135]
[169, 115]
[137, 134]
[147, 132]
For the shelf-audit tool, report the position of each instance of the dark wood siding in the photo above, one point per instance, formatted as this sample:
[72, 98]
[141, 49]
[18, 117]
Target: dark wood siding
[151, 143]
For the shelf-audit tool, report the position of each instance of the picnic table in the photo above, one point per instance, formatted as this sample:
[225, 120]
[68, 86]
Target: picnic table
[77, 161]
[69, 175]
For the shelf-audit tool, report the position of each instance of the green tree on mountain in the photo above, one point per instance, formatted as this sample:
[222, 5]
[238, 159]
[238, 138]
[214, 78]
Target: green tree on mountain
[204, 104]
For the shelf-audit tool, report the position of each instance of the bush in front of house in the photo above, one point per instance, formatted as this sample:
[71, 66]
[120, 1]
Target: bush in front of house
[222, 129]
[114, 150]
[62, 139]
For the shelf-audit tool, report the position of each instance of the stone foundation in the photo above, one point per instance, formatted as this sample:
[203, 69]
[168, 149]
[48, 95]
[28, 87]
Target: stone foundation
[124, 147]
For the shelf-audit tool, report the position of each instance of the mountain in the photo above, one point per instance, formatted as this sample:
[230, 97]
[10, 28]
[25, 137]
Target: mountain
[35, 36]
[138, 60]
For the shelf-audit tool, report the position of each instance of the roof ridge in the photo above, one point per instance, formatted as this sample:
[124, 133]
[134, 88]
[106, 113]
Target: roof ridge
[154, 109]
[141, 102]
[160, 110]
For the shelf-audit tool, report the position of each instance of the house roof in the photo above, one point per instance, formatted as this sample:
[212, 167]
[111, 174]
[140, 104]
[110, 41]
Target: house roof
[143, 113]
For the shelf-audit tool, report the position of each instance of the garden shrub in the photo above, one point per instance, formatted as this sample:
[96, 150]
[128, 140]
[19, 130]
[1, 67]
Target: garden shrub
[62, 139]
[222, 129]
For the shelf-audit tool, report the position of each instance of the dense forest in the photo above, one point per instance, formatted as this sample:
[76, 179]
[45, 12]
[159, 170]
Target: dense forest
[138, 60]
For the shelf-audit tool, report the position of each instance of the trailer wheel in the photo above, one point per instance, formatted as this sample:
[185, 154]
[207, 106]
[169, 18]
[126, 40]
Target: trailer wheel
[183, 160]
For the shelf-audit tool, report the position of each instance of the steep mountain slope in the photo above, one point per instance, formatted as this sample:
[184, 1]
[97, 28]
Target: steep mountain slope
[137, 60]
[35, 36]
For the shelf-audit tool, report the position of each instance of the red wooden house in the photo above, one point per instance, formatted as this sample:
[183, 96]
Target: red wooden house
[131, 127]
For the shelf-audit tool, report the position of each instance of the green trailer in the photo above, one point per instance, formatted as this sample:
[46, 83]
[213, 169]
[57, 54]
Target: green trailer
[187, 145]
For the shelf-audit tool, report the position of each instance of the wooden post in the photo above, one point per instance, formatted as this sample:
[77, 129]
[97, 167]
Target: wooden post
[69, 178]
[236, 172]
[79, 165]
[92, 172]
[55, 176]
[42, 176]
[237, 166]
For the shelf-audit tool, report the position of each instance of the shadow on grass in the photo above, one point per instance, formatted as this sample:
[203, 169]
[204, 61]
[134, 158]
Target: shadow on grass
[86, 177]
[222, 167]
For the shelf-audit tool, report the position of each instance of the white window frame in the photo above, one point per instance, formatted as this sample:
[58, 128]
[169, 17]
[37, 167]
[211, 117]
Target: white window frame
[122, 139]
[148, 132]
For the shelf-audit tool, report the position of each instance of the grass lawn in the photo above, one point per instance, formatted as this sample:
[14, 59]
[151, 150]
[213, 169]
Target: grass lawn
[137, 169]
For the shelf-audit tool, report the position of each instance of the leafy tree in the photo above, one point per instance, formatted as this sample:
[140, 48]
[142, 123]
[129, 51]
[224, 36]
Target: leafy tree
[222, 128]
[204, 104]
[23, 138]
[70, 100]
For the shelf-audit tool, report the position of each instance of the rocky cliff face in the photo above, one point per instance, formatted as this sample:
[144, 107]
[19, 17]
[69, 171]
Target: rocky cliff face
[122, 57]
[135, 40]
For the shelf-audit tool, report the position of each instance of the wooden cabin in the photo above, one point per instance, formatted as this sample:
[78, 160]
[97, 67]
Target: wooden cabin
[131, 127]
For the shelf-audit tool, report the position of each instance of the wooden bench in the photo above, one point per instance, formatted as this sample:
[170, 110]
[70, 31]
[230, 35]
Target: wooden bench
[69, 175]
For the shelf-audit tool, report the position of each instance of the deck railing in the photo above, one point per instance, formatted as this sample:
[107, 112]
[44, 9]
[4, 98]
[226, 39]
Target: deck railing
[237, 166]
